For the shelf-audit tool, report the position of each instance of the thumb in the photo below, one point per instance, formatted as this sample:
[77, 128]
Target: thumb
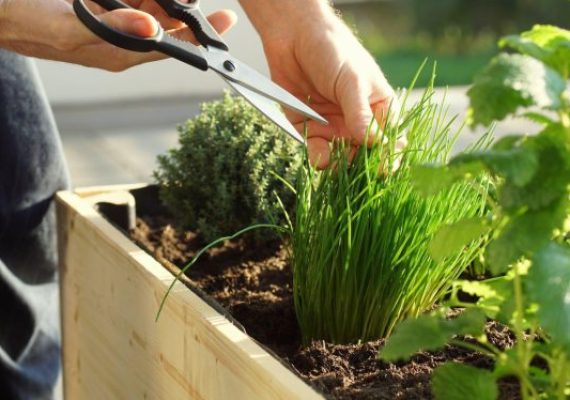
[73, 34]
[131, 21]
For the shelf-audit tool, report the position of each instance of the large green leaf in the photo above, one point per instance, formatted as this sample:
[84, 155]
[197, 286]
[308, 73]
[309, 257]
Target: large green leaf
[517, 164]
[453, 381]
[430, 332]
[547, 43]
[551, 176]
[449, 240]
[494, 295]
[538, 118]
[512, 81]
[549, 286]
[524, 234]
[431, 179]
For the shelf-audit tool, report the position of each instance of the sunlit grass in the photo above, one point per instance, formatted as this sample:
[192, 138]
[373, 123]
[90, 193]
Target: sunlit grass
[360, 235]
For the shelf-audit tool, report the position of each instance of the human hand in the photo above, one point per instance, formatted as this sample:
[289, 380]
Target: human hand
[49, 29]
[312, 54]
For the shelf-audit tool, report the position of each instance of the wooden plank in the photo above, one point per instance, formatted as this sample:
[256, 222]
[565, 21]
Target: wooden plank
[114, 349]
[95, 190]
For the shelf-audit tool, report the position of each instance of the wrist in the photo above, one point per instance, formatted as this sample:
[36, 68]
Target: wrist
[277, 17]
[3, 17]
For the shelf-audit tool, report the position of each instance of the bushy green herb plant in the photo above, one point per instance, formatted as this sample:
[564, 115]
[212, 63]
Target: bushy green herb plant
[226, 173]
[360, 238]
[530, 221]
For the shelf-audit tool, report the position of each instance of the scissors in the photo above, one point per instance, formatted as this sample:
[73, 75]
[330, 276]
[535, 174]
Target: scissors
[213, 54]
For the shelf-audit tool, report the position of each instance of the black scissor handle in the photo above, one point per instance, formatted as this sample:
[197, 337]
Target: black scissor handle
[161, 41]
[113, 36]
[191, 15]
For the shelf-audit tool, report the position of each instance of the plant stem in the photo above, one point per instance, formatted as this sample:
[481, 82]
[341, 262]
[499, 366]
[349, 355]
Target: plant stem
[565, 118]
[560, 374]
[479, 347]
[205, 249]
[522, 346]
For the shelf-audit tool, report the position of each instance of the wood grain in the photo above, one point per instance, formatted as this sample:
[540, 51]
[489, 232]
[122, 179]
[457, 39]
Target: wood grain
[114, 349]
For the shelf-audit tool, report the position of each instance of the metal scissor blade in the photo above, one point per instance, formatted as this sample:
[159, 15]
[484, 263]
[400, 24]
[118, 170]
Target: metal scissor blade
[268, 108]
[249, 78]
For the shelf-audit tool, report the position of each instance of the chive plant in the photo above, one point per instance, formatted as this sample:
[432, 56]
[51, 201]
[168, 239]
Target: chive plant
[360, 236]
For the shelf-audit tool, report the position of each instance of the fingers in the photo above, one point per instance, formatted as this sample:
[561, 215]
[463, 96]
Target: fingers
[400, 145]
[320, 136]
[131, 21]
[364, 95]
[355, 103]
[222, 21]
[153, 8]
[72, 34]
[364, 107]
[79, 45]
[319, 152]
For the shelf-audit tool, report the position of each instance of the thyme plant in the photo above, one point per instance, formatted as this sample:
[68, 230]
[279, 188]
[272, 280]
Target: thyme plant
[225, 173]
[360, 237]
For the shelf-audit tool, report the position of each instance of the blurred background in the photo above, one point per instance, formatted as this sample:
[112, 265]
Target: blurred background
[114, 125]
[461, 35]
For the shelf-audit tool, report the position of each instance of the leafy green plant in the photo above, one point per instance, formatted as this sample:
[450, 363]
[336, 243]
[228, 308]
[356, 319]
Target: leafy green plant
[360, 238]
[226, 173]
[529, 220]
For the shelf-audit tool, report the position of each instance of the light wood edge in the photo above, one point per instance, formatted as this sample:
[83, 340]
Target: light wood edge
[250, 351]
[95, 190]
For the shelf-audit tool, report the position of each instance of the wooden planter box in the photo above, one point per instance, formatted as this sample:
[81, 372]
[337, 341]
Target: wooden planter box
[113, 348]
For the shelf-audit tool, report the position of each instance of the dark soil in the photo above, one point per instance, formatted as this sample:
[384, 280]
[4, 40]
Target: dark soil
[255, 286]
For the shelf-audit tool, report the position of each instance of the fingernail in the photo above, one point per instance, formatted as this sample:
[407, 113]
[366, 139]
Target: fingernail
[397, 163]
[144, 28]
[372, 133]
[401, 143]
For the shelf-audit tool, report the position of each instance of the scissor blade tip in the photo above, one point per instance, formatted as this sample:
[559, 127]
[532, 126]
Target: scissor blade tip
[300, 139]
[319, 119]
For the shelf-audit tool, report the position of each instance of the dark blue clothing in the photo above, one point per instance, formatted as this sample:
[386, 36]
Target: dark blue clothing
[32, 169]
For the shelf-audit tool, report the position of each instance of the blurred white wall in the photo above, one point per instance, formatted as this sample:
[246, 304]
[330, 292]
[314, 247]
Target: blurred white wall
[70, 84]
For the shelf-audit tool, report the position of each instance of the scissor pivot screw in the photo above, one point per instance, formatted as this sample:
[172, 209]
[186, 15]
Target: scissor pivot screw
[229, 66]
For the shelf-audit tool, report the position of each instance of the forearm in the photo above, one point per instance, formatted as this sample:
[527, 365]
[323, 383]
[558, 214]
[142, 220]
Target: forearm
[3, 8]
[284, 15]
